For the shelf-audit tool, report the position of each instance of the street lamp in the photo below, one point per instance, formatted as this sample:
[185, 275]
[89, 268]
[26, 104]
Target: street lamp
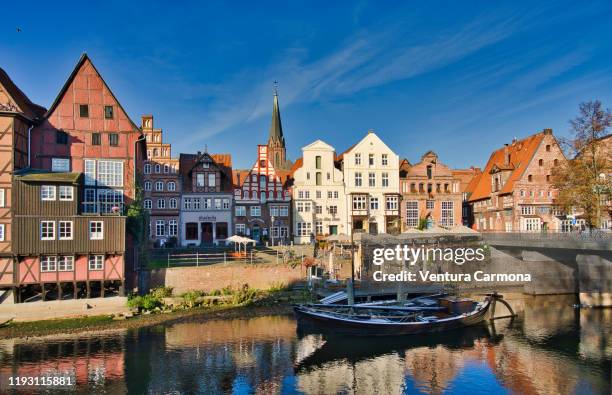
[272, 231]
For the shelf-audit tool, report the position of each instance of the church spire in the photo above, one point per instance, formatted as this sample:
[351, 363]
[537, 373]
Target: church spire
[276, 127]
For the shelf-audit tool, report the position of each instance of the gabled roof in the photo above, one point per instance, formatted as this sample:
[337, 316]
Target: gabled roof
[26, 107]
[84, 58]
[520, 154]
[318, 144]
[298, 163]
[340, 157]
[223, 161]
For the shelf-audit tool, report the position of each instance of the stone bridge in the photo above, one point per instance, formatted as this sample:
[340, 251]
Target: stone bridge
[563, 262]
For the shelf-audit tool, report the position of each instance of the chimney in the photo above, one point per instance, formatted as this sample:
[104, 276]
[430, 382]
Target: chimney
[547, 131]
[506, 154]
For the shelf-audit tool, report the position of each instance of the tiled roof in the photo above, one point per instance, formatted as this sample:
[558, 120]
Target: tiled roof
[521, 152]
[298, 163]
[340, 157]
[29, 109]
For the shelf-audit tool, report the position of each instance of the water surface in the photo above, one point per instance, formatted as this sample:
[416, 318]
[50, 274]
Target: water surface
[551, 348]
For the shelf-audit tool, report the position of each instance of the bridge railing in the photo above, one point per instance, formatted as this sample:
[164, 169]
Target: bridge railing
[585, 235]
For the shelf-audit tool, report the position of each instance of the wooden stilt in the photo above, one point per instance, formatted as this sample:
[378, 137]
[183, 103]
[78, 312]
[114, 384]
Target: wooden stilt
[59, 291]
[122, 289]
[44, 293]
[88, 290]
[74, 290]
[102, 288]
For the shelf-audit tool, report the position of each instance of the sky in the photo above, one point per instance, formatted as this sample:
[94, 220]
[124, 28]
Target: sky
[460, 78]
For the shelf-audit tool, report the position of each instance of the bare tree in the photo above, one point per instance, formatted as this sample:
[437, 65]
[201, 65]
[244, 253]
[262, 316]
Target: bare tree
[582, 180]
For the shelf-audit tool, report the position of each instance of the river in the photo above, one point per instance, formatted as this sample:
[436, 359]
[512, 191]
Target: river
[551, 348]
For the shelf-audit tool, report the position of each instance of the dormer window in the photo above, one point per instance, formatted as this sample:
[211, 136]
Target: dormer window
[429, 172]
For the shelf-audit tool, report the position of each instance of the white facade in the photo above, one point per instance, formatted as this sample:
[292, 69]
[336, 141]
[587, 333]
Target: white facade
[318, 194]
[371, 176]
[205, 218]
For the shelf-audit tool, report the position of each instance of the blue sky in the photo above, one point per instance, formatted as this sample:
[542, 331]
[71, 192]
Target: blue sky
[461, 78]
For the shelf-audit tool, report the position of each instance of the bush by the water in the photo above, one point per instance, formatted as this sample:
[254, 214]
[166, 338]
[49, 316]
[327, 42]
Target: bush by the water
[147, 302]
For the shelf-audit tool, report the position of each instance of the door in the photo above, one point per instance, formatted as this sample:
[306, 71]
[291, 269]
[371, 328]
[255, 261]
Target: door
[256, 232]
[333, 229]
[373, 228]
[207, 232]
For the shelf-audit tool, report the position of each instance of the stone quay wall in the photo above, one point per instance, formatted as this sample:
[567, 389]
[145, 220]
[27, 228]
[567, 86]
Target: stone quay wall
[211, 277]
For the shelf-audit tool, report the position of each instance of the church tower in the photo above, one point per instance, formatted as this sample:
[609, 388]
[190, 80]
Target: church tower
[276, 141]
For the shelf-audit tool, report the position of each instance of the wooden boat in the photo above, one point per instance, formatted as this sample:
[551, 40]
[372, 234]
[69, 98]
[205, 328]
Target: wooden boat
[446, 314]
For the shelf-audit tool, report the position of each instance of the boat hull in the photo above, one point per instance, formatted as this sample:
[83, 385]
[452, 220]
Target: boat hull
[370, 328]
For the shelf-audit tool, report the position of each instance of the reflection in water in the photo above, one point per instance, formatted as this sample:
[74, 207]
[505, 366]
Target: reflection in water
[551, 348]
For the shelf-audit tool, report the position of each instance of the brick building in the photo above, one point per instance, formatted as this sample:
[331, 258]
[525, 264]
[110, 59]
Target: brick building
[86, 130]
[430, 191]
[514, 191]
[161, 184]
[206, 199]
[262, 201]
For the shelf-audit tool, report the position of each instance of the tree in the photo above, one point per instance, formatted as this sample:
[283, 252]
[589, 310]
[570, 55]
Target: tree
[582, 181]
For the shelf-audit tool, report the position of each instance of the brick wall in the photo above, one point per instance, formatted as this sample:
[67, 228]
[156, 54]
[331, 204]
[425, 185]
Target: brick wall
[208, 278]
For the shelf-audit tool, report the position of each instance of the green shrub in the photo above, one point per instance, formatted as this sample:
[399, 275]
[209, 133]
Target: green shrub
[190, 298]
[144, 303]
[278, 287]
[244, 296]
[227, 290]
[161, 292]
[135, 302]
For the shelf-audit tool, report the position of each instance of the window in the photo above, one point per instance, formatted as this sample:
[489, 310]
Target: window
[240, 211]
[274, 211]
[196, 203]
[329, 194]
[335, 194]
[307, 194]
[47, 192]
[217, 204]
[374, 203]
[430, 204]
[48, 263]
[65, 230]
[541, 162]
[160, 228]
[284, 211]
[166, 167]
[371, 159]
[371, 179]
[547, 147]
[318, 178]
[2, 197]
[318, 209]
[255, 211]
[66, 192]
[304, 228]
[173, 203]
[96, 230]
[1, 232]
[108, 112]
[110, 173]
[556, 162]
[318, 194]
[60, 164]
[447, 213]
[385, 179]
[385, 159]
[47, 230]
[359, 202]
[161, 204]
[110, 200]
[172, 186]
[147, 168]
[530, 178]
[212, 179]
[303, 207]
[358, 159]
[240, 229]
[96, 262]
[357, 179]
[191, 230]
[319, 227]
[527, 210]
[199, 180]
[318, 162]
[226, 204]
[392, 202]
[113, 139]
[333, 210]
[172, 227]
[83, 110]
[157, 168]
[147, 185]
[412, 213]
[159, 185]
[148, 204]
[65, 263]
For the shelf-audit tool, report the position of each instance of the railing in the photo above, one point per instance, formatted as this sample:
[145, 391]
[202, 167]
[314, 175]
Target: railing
[585, 235]
[102, 208]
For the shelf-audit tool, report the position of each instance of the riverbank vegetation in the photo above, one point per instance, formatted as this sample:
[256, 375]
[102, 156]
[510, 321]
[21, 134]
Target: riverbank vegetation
[160, 307]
